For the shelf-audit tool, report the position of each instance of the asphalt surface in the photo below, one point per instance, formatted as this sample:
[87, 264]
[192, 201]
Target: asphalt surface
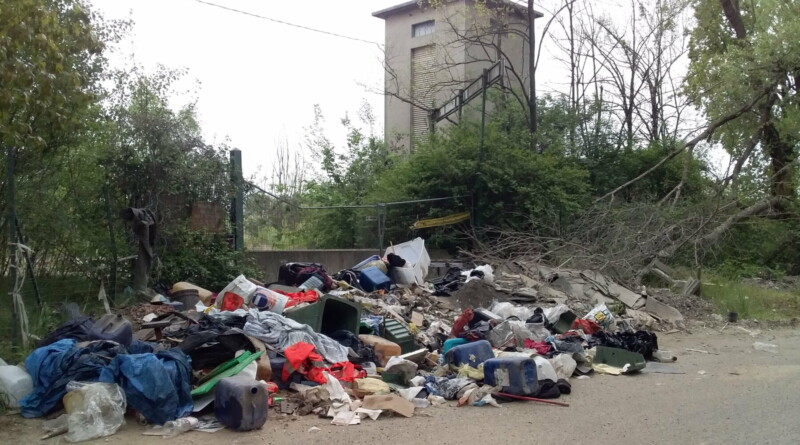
[731, 395]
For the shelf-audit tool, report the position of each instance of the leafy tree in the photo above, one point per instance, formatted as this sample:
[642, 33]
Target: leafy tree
[348, 178]
[156, 158]
[512, 186]
[51, 66]
[748, 51]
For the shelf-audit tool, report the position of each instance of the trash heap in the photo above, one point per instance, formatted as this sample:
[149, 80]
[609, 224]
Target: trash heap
[361, 343]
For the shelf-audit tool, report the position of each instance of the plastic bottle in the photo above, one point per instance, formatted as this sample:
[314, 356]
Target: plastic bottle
[766, 347]
[178, 426]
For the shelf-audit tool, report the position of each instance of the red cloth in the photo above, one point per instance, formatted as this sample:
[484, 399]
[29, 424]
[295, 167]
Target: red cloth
[461, 322]
[231, 301]
[295, 298]
[541, 347]
[347, 372]
[587, 326]
[301, 357]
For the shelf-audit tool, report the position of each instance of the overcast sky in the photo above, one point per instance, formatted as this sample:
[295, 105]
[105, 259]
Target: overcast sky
[256, 81]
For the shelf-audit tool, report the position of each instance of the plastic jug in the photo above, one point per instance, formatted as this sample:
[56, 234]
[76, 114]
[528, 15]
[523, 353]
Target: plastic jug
[516, 375]
[240, 403]
[450, 343]
[15, 384]
[472, 354]
[112, 327]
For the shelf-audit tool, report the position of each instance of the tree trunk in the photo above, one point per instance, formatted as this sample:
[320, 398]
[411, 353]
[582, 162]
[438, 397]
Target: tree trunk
[534, 124]
[734, 16]
[781, 156]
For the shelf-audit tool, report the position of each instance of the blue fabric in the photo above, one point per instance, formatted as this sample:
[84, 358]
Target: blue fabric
[141, 347]
[53, 366]
[156, 385]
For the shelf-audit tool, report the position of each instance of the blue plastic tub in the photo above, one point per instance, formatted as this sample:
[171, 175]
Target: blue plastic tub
[516, 375]
[372, 279]
[472, 354]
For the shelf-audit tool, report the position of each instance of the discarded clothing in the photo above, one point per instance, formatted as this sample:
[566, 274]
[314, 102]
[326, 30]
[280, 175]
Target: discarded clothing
[214, 339]
[461, 322]
[373, 322]
[569, 344]
[587, 326]
[155, 385]
[541, 347]
[366, 353]
[295, 274]
[281, 332]
[452, 281]
[209, 349]
[642, 342]
[300, 357]
[55, 365]
[295, 298]
[395, 260]
[447, 388]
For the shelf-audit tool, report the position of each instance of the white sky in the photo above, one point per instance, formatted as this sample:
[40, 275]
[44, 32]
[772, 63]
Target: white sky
[256, 81]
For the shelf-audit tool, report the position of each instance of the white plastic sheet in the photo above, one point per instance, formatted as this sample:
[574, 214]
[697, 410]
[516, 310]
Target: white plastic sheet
[98, 411]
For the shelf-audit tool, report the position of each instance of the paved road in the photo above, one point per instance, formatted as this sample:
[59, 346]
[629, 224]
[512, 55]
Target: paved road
[743, 397]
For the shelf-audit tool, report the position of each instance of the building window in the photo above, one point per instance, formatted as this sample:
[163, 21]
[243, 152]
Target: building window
[423, 29]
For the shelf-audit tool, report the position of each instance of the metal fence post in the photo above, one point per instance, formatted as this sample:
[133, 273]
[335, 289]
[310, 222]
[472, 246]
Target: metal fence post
[11, 225]
[237, 204]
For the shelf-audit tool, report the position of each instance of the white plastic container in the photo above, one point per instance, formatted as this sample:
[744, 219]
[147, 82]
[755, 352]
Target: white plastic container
[15, 384]
[417, 260]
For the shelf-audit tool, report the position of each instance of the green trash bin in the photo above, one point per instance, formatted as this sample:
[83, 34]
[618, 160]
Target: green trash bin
[328, 315]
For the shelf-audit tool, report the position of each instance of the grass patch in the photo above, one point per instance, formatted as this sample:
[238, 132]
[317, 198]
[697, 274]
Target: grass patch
[55, 292]
[751, 301]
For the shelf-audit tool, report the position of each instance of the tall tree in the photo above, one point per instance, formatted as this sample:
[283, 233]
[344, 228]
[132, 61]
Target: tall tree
[739, 50]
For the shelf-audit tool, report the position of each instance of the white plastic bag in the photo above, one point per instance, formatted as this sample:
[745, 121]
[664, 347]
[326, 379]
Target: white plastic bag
[602, 316]
[488, 274]
[506, 310]
[538, 331]
[96, 410]
[564, 365]
[510, 333]
[240, 286]
[554, 313]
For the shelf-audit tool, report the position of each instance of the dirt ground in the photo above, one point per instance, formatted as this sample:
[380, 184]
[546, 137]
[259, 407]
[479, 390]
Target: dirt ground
[731, 395]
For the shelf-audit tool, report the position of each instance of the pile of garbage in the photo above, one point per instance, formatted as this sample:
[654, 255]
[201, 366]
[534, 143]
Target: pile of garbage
[365, 342]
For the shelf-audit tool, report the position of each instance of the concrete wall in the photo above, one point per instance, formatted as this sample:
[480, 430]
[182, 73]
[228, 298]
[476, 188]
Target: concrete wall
[268, 261]
[399, 46]
[457, 62]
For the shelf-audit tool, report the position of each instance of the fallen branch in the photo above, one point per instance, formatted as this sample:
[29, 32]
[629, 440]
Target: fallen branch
[745, 213]
[697, 139]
